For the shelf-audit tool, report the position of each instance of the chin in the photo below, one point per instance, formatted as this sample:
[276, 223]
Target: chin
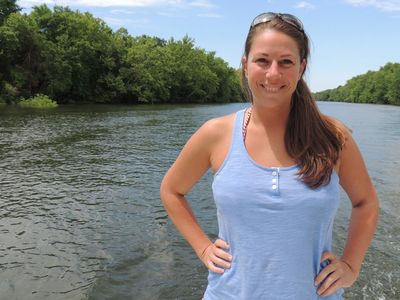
[273, 100]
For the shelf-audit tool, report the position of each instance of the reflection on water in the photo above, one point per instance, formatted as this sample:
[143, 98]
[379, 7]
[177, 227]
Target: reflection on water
[80, 215]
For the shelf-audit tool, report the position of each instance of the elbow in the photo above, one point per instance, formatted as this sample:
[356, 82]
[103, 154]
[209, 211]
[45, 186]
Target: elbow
[370, 210]
[167, 191]
[164, 191]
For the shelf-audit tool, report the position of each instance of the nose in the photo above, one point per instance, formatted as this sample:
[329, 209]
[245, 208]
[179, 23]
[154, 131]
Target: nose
[273, 72]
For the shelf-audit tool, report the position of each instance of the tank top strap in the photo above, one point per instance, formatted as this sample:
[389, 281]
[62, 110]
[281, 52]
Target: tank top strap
[237, 135]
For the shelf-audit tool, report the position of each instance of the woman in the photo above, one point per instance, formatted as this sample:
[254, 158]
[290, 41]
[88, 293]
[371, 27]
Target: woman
[278, 166]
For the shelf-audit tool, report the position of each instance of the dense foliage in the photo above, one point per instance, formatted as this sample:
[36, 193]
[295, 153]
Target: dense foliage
[382, 86]
[73, 57]
[38, 101]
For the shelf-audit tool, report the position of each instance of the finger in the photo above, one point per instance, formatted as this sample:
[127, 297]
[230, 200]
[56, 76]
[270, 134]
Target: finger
[328, 282]
[221, 244]
[222, 254]
[331, 289]
[325, 272]
[220, 262]
[212, 267]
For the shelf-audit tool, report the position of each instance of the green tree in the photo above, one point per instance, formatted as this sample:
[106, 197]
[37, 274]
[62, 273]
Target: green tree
[7, 7]
[149, 69]
[393, 83]
[81, 55]
[21, 56]
[382, 86]
[74, 57]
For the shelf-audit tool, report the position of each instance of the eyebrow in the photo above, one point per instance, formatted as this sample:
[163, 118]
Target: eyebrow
[282, 56]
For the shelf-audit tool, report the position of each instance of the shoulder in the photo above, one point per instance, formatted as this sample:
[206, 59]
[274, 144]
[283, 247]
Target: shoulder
[217, 128]
[344, 134]
[210, 135]
[342, 130]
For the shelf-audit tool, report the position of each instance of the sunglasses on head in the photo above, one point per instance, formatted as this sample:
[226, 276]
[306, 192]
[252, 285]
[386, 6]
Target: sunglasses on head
[269, 16]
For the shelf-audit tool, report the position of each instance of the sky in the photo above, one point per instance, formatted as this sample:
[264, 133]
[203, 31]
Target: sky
[349, 37]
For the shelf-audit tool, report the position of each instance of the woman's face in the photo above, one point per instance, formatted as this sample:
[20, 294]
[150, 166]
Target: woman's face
[273, 68]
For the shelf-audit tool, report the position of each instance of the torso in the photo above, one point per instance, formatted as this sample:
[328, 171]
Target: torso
[276, 226]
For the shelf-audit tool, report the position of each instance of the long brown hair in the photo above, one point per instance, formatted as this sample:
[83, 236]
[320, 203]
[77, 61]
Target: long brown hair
[311, 138]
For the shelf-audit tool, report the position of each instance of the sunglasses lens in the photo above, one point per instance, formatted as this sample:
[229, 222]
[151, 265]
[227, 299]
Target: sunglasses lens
[263, 18]
[288, 18]
[292, 20]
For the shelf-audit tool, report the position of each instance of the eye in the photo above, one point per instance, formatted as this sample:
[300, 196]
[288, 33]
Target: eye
[286, 62]
[262, 61]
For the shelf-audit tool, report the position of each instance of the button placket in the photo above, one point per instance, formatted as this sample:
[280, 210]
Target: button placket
[275, 181]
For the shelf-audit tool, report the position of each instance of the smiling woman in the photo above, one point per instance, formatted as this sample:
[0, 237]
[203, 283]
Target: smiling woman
[277, 169]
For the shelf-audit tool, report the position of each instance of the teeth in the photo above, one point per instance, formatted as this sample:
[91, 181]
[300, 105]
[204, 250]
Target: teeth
[271, 89]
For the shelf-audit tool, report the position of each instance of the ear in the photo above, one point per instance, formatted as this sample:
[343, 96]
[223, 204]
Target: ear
[244, 65]
[302, 67]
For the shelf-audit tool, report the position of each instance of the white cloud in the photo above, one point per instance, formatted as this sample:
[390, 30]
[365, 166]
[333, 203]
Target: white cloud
[128, 3]
[114, 21]
[202, 4]
[386, 5]
[29, 3]
[121, 12]
[305, 5]
[103, 3]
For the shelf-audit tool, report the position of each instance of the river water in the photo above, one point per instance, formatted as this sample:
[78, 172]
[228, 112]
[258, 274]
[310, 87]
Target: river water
[80, 215]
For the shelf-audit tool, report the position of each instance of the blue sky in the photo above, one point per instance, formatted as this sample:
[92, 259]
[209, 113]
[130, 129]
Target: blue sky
[349, 37]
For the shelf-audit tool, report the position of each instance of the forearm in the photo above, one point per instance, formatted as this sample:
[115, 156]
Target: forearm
[363, 222]
[185, 221]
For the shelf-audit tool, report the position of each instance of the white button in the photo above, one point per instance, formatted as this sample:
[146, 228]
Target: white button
[274, 180]
[274, 173]
[274, 187]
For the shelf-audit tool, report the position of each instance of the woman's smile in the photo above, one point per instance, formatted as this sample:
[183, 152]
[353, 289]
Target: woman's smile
[272, 88]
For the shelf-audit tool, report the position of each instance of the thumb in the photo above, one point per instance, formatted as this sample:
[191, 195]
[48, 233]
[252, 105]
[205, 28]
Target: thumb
[327, 255]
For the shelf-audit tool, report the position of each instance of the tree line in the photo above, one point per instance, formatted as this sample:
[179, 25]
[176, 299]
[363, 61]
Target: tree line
[73, 57]
[380, 87]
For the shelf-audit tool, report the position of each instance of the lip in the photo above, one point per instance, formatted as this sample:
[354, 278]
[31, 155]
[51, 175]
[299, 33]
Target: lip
[272, 88]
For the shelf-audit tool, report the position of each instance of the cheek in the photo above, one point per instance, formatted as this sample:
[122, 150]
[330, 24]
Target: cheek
[295, 74]
[255, 72]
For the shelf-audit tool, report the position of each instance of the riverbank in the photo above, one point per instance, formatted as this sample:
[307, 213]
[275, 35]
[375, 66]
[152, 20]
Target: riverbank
[378, 87]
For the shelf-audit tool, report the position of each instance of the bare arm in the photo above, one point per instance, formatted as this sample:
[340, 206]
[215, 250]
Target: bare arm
[189, 167]
[356, 182]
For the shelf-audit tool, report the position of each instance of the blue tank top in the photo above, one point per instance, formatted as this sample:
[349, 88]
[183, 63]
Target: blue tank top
[277, 228]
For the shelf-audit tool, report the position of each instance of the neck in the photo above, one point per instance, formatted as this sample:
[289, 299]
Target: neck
[271, 118]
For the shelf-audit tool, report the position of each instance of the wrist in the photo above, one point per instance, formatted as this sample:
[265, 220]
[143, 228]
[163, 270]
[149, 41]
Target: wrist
[201, 250]
[355, 270]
